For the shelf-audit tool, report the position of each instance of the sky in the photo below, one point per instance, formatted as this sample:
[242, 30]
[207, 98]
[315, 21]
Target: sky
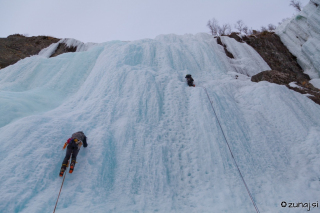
[105, 20]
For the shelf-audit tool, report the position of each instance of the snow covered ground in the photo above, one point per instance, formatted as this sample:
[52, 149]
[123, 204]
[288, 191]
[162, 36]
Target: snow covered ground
[154, 144]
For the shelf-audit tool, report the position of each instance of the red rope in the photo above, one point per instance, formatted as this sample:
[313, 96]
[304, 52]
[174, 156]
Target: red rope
[64, 175]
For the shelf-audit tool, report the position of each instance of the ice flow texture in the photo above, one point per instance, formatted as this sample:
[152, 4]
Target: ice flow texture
[154, 143]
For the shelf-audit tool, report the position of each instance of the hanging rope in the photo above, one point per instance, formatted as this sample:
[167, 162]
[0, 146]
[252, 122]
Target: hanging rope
[64, 176]
[244, 182]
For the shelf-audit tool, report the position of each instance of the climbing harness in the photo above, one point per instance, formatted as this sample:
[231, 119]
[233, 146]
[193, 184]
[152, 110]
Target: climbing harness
[235, 162]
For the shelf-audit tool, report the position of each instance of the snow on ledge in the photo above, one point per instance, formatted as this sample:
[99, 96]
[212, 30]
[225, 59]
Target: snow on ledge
[293, 84]
[70, 42]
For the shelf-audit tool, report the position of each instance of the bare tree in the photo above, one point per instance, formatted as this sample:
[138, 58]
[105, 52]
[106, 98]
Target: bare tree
[255, 32]
[263, 29]
[296, 4]
[214, 27]
[271, 27]
[239, 26]
[247, 31]
[225, 29]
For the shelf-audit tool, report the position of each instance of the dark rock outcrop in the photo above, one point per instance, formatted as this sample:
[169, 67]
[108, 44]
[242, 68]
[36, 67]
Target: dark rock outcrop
[285, 78]
[280, 77]
[284, 65]
[274, 76]
[273, 51]
[229, 54]
[16, 47]
[236, 37]
[305, 88]
[63, 48]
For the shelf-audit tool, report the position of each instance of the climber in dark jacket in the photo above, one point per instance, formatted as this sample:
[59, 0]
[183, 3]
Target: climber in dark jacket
[190, 80]
[73, 145]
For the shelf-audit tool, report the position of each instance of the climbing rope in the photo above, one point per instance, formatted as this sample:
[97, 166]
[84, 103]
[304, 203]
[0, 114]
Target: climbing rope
[244, 182]
[64, 176]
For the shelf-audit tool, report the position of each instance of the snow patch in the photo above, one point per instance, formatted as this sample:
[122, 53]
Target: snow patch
[294, 84]
[315, 82]
[78, 44]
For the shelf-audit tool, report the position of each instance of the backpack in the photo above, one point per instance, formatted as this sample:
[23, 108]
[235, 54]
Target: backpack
[80, 136]
[73, 144]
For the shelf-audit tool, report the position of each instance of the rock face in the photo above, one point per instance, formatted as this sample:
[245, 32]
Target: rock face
[286, 78]
[279, 77]
[16, 47]
[63, 48]
[285, 68]
[273, 51]
[229, 54]
[274, 76]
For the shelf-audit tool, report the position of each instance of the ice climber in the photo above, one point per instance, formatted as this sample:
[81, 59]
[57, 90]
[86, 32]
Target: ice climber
[73, 145]
[190, 80]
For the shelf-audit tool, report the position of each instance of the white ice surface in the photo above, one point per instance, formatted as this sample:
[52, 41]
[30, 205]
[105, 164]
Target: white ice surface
[294, 84]
[154, 144]
[315, 82]
[70, 42]
[301, 35]
[48, 51]
[246, 60]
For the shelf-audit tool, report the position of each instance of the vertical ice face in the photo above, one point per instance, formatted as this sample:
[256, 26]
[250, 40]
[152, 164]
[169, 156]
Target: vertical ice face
[154, 144]
[246, 60]
[301, 35]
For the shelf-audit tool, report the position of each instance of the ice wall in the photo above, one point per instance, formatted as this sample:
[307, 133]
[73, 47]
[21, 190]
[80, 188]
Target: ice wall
[154, 144]
[246, 60]
[301, 35]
